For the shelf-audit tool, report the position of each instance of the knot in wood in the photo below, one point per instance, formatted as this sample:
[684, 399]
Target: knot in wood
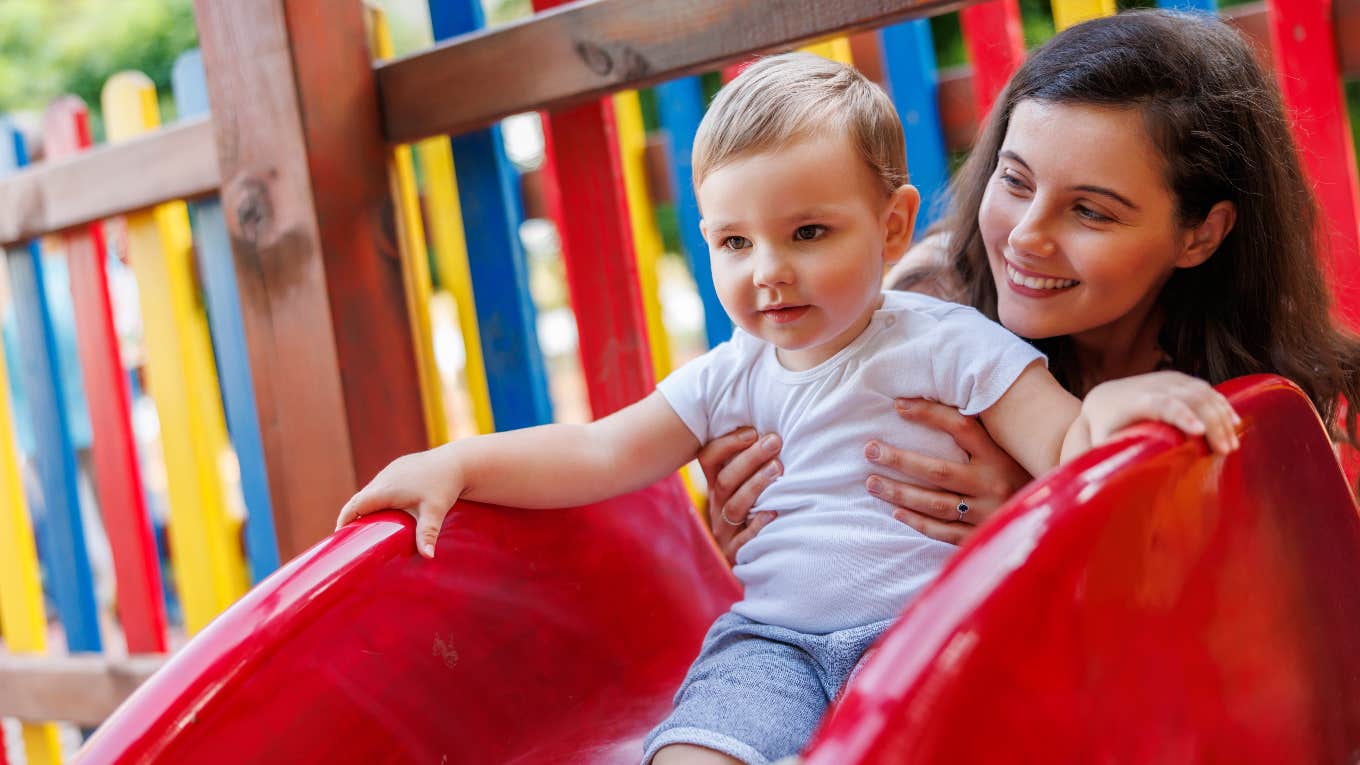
[249, 199]
[596, 58]
[624, 62]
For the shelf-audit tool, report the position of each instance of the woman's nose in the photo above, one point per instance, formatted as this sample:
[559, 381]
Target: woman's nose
[1031, 235]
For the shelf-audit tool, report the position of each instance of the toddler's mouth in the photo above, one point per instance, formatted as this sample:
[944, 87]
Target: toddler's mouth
[783, 314]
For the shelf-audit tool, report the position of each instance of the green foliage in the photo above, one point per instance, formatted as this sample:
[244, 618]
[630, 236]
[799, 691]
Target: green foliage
[50, 48]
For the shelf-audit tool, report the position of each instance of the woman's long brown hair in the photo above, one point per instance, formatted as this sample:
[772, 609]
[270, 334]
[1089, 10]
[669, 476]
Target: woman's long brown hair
[1260, 303]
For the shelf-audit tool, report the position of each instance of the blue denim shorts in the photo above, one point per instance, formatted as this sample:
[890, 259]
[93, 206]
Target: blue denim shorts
[757, 692]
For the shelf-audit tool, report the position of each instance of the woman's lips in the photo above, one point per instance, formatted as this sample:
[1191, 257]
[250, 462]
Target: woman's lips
[1033, 285]
[784, 314]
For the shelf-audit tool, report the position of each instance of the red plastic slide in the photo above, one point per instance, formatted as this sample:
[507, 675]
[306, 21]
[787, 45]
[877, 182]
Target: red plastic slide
[1146, 603]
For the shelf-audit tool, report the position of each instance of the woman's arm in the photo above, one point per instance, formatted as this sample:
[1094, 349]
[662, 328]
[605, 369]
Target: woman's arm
[547, 466]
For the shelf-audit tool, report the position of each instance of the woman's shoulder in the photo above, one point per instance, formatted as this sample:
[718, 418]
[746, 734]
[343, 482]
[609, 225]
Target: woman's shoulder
[926, 269]
[927, 306]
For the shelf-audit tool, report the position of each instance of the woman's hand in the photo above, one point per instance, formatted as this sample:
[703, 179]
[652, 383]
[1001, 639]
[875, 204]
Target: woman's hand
[987, 480]
[738, 467]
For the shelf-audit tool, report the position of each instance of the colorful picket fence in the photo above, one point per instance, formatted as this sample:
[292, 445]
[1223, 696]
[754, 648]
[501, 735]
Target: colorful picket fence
[457, 209]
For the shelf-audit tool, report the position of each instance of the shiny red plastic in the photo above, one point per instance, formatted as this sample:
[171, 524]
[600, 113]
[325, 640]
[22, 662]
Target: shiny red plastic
[532, 637]
[1147, 603]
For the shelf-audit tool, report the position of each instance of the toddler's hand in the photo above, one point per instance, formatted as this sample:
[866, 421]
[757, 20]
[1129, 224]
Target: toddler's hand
[424, 484]
[1177, 399]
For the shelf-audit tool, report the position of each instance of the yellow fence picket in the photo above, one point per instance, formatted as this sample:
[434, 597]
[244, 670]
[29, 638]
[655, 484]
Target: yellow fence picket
[415, 264]
[435, 158]
[632, 138]
[204, 542]
[21, 597]
[836, 49]
[1069, 12]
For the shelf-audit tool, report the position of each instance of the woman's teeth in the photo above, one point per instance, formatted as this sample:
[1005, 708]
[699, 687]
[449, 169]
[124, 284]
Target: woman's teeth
[1035, 283]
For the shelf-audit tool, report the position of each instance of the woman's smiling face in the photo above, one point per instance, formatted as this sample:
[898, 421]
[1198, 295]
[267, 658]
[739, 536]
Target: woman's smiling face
[1080, 228]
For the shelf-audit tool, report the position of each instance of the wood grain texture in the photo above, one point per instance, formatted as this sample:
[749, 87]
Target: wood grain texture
[175, 162]
[585, 50]
[80, 689]
[310, 220]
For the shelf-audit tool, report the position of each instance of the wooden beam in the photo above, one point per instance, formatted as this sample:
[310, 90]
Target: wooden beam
[588, 49]
[172, 163]
[83, 689]
[309, 215]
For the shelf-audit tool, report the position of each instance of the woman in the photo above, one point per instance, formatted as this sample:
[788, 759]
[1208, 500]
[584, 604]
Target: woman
[1113, 153]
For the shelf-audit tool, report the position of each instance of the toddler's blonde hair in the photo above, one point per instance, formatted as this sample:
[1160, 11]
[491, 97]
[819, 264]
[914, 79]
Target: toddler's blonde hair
[784, 98]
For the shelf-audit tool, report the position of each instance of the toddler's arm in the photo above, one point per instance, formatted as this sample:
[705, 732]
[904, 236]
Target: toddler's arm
[547, 466]
[1040, 424]
[1177, 399]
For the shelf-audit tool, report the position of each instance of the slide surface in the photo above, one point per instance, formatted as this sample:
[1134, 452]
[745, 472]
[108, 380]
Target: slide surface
[1147, 602]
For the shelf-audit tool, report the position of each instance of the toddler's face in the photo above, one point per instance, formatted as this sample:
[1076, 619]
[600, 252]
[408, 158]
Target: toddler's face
[798, 237]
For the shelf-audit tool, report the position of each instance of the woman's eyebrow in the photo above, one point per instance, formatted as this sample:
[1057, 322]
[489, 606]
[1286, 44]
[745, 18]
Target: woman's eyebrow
[1012, 156]
[1090, 189]
[1111, 193]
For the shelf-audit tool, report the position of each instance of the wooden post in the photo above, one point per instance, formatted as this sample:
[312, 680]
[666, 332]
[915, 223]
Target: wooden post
[914, 84]
[586, 195]
[996, 46]
[1306, 66]
[308, 209]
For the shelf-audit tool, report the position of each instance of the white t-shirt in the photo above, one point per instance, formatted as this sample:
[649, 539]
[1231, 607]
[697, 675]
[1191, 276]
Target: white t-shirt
[835, 557]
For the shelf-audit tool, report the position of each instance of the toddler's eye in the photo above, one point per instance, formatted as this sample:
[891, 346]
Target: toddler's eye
[809, 232]
[735, 243]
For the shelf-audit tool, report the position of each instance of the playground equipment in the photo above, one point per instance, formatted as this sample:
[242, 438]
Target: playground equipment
[311, 258]
[1147, 602]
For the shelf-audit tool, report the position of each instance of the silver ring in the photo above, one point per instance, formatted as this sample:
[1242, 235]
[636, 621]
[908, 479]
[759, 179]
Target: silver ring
[729, 521]
[962, 507]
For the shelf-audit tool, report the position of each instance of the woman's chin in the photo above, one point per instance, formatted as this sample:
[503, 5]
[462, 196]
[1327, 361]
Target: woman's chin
[1028, 326]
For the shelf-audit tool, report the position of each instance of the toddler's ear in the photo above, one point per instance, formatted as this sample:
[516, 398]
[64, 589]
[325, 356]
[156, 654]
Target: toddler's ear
[903, 206]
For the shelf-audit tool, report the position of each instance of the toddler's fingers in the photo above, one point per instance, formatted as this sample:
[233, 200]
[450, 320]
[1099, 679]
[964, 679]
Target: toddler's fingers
[1220, 418]
[428, 522]
[352, 511]
[368, 500]
[1177, 412]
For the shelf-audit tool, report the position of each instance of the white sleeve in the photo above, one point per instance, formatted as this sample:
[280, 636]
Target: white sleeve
[692, 389]
[977, 360]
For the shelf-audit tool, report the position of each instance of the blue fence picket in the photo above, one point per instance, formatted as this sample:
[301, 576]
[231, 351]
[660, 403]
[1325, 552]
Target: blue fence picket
[680, 107]
[913, 83]
[218, 274]
[488, 190]
[1206, 6]
[61, 533]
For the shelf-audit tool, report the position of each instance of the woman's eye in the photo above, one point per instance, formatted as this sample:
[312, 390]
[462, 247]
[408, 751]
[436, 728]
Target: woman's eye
[1091, 215]
[808, 233]
[736, 243]
[1011, 180]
